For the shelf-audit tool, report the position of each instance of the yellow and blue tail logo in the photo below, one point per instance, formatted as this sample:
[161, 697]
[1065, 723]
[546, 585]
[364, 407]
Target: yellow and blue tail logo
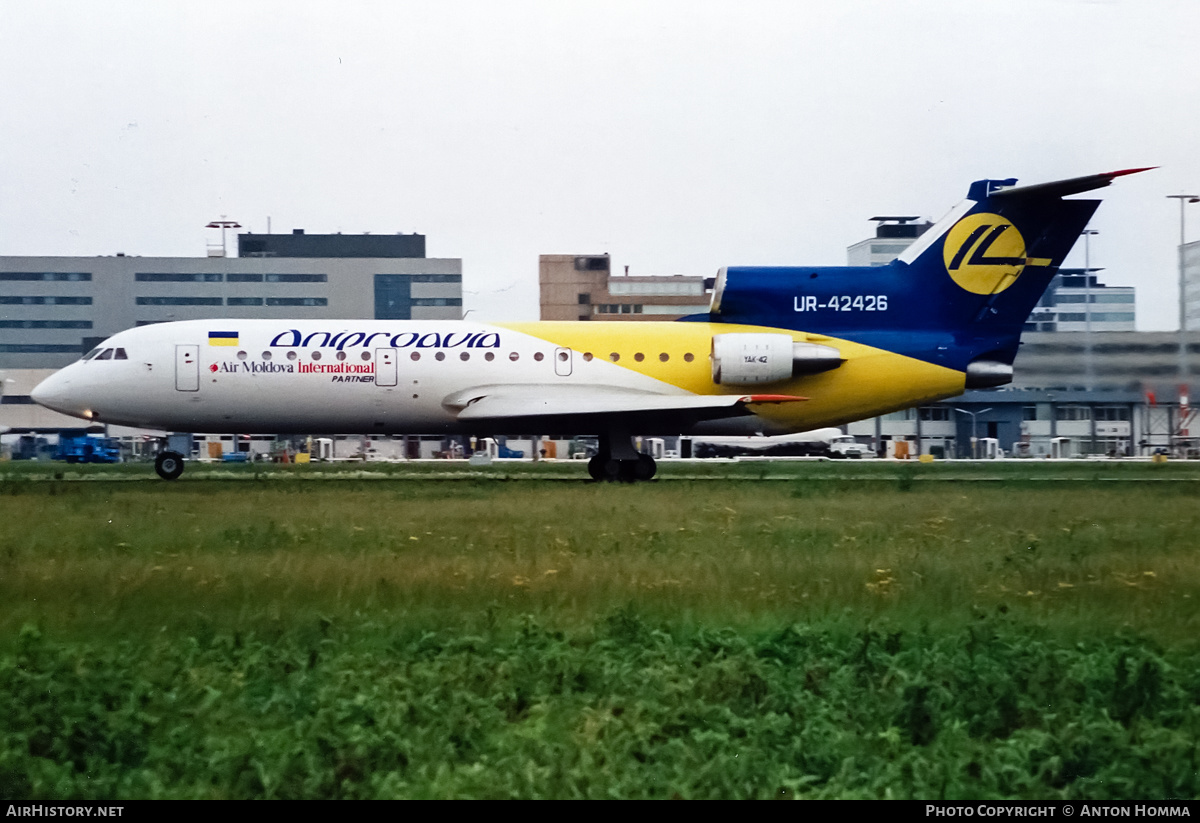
[959, 295]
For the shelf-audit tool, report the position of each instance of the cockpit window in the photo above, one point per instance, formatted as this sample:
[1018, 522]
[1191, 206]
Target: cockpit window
[105, 355]
[91, 354]
[120, 355]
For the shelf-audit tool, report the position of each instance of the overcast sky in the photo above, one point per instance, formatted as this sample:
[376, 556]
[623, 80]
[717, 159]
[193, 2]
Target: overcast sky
[677, 136]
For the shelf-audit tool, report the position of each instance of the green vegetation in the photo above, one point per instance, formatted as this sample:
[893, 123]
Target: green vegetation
[850, 630]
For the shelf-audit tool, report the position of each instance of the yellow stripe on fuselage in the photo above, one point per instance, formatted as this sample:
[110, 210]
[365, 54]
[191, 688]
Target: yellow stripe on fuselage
[871, 381]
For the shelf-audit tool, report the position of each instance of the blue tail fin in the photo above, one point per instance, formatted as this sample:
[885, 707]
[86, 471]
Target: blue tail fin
[958, 297]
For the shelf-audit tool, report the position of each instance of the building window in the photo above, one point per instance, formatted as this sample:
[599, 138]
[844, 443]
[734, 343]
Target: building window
[243, 301]
[591, 263]
[1073, 413]
[243, 277]
[179, 301]
[178, 277]
[45, 324]
[935, 413]
[37, 348]
[71, 276]
[55, 300]
[585, 299]
[296, 278]
[297, 301]
[393, 297]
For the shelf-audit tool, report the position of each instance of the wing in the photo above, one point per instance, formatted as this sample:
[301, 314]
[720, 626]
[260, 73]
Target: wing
[580, 404]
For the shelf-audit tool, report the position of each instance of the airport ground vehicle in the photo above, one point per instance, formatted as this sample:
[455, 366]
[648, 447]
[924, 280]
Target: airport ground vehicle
[87, 448]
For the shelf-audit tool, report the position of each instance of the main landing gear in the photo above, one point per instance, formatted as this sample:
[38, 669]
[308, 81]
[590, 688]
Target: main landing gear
[618, 461]
[169, 465]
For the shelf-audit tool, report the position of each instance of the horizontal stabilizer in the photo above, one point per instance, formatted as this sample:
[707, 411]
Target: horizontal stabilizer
[500, 402]
[1061, 188]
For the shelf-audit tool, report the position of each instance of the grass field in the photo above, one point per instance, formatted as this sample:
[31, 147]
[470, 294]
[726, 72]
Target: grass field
[735, 630]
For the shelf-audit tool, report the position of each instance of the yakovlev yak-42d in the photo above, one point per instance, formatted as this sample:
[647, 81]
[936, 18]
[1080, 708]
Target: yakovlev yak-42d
[781, 350]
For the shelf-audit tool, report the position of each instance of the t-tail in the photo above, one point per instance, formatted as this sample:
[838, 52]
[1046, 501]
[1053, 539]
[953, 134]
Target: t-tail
[958, 297]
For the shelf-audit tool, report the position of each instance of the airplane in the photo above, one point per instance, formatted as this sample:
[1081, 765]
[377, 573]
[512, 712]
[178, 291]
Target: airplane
[781, 350]
[826, 442]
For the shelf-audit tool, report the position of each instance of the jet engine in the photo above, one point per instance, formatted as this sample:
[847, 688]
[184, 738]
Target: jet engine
[755, 359]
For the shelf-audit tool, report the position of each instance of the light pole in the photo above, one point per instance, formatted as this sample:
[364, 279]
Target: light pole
[1088, 367]
[1183, 199]
[974, 440]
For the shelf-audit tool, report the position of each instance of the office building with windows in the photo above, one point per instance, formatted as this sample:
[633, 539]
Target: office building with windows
[1076, 299]
[892, 236]
[582, 287]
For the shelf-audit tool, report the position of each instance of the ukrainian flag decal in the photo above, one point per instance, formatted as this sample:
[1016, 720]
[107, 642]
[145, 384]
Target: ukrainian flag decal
[222, 338]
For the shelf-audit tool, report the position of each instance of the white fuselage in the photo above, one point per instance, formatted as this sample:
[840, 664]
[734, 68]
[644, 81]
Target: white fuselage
[428, 377]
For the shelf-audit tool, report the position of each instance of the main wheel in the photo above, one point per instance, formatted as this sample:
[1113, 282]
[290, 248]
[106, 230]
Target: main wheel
[645, 467]
[169, 465]
[596, 469]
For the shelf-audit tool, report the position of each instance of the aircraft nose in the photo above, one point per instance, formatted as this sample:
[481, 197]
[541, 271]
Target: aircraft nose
[55, 394]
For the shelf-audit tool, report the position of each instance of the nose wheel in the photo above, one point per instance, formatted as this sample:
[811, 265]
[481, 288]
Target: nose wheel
[169, 465]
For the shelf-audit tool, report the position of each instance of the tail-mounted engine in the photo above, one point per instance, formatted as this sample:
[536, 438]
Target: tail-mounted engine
[755, 359]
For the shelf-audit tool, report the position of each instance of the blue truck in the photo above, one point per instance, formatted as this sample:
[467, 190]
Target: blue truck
[86, 448]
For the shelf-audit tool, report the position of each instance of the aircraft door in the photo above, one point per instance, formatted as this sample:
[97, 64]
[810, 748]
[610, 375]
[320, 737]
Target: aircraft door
[385, 367]
[563, 360]
[187, 368]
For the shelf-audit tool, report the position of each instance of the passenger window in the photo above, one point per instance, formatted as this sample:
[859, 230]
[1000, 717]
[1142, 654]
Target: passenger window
[105, 355]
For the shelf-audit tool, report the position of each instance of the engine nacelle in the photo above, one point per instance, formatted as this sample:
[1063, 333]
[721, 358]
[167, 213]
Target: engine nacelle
[751, 359]
[756, 359]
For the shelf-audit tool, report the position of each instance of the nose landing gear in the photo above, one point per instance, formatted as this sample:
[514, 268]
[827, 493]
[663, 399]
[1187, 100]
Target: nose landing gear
[169, 465]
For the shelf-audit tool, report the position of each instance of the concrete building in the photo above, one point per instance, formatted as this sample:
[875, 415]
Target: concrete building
[1075, 297]
[582, 287]
[892, 236]
[1191, 285]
